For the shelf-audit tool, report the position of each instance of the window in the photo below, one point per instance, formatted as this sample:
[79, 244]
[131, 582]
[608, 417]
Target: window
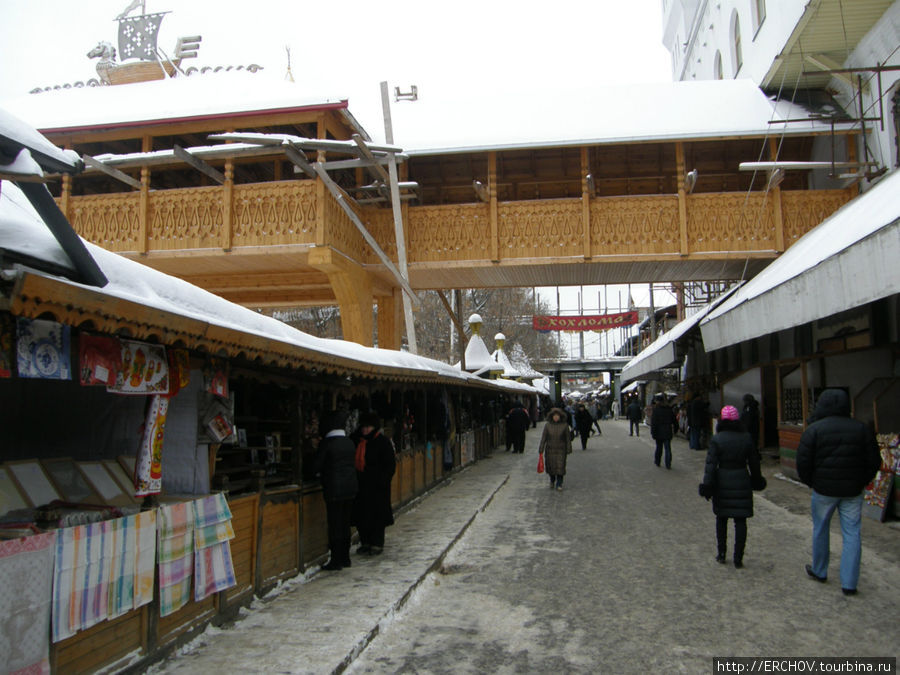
[736, 57]
[759, 13]
[717, 66]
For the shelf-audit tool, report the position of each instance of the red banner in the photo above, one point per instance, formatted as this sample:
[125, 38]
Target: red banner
[575, 323]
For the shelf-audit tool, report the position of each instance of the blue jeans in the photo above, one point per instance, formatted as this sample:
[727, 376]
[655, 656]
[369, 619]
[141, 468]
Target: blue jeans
[694, 437]
[850, 512]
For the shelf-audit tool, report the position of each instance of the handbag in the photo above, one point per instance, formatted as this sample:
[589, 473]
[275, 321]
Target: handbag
[540, 462]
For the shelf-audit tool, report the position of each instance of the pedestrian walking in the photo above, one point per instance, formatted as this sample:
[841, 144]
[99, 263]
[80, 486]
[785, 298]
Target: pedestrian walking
[556, 446]
[732, 474]
[583, 424]
[614, 409]
[517, 423]
[662, 428]
[375, 465]
[698, 421]
[597, 413]
[634, 413]
[335, 465]
[750, 417]
[837, 457]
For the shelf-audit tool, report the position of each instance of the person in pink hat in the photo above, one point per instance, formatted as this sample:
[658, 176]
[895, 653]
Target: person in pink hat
[732, 474]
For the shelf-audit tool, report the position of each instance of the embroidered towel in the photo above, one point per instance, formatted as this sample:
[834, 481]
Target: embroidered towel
[176, 548]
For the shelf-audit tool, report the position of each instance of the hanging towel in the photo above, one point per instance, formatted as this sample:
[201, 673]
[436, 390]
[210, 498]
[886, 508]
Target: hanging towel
[42, 349]
[81, 578]
[213, 567]
[26, 582]
[176, 548]
[145, 369]
[122, 565]
[145, 557]
[148, 463]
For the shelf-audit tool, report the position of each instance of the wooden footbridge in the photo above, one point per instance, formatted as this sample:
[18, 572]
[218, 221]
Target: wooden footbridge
[295, 210]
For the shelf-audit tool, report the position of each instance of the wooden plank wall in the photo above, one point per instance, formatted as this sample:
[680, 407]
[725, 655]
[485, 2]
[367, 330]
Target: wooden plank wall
[102, 645]
[278, 538]
[244, 515]
[315, 527]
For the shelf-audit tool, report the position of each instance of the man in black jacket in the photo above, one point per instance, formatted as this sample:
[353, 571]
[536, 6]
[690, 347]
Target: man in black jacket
[837, 457]
[335, 465]
[634, 412]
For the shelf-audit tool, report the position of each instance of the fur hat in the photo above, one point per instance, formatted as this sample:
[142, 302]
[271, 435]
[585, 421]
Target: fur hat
[369, 418]
[729, 412]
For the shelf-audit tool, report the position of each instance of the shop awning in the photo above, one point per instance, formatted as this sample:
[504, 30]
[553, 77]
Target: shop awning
[663, 352]
[850, 259]
[632, 386]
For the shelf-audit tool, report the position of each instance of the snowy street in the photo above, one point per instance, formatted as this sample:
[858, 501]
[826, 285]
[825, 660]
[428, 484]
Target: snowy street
[497, 573]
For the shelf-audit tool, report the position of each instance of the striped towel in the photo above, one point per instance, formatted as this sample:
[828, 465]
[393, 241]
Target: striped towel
[144, 557]
[122, 565]
[26, 580]
[81, 578]
[213, 568]
[176, 548]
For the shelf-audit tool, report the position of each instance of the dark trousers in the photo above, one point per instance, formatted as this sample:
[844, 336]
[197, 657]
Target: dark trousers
[740, 536]
[338, 515]
[634, 427]
[518, 442]
[663, 445]
[585, 435]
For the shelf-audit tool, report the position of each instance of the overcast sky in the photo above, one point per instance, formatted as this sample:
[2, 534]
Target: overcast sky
[345, 49]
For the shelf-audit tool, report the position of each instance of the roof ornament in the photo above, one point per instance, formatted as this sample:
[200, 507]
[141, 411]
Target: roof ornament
[137, 39]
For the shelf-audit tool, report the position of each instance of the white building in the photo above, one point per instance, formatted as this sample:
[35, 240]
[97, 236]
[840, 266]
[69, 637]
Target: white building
[791, 49]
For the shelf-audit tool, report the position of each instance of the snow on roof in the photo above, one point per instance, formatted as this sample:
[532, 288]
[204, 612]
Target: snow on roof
[22, 231]
[869, 275]
[211, 95]
[19, 133]
[503, 360]
[593, 115]
[478, 356]
[441, 123]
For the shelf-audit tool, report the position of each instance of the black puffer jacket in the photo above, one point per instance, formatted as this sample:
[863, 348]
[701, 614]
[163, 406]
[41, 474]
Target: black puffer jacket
[837, 456]
[662, 422]
[731, 460]
[334, 462]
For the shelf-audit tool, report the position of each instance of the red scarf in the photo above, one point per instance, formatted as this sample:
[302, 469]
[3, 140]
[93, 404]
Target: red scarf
[361, 454]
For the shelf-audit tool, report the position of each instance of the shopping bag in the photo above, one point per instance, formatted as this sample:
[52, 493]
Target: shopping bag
[540, 462]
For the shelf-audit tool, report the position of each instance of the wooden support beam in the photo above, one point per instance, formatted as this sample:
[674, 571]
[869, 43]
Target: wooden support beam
[338, 195]
[299, 160]
[460, 331]
[376, 169]
[353, 289]
[111, 172]
[198, 164]
[228, 206]
[585, 203]
[682, 199]
[492, 195]
[775, 192]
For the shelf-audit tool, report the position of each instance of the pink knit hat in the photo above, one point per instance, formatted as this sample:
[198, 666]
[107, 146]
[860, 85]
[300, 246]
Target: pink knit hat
[729, 412]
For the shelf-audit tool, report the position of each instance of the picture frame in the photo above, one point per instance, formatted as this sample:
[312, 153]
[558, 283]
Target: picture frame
[33, 482]
[11, 499]
[103, 484]
[124, 480]
[69, 481]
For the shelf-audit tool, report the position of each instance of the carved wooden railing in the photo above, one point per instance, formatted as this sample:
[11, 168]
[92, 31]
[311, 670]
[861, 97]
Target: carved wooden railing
[287, 213]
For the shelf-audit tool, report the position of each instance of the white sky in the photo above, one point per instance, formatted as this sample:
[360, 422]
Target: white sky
[346, 49]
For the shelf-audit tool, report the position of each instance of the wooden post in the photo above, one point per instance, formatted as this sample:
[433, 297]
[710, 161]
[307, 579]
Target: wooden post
[586, 203]
[682, 197]
[65, 195]
[228, 205]
[492, 193]
[777, 212]
[778, 396]
[853, 188]
[320, 189]
[143, 243]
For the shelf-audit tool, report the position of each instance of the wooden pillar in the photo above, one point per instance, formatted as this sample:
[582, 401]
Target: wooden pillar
[682, 198]
[143, 243]
[352, 287]
[492, 192]
[390, 320]
[228, 205]
[850, 141]
[777, 211]
[65, 195]
[586, 203]
[321, 192]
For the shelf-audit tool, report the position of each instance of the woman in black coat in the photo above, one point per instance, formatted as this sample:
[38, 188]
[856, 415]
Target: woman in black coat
[732, 473]
[336, 469]
[583, 423]
[662, 427]
[375, 466]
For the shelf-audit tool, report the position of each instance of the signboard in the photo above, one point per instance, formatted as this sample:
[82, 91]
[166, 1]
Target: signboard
[585, 322]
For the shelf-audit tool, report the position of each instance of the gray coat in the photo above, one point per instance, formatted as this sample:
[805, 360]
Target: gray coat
[556, 443]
